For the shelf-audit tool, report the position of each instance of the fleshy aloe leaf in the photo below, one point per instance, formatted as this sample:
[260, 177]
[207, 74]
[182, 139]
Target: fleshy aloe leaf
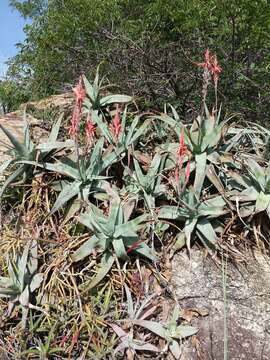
[207, 231]
[200, 160]
[85, 249]
[20, 148]
[119, 248]
[262, 202]
[105, 266]
[68, 192]
[113, 99]
[154, 327]
[132, 225]
[188, 229]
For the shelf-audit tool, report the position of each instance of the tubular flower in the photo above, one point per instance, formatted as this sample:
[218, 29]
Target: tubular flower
[116, 124]
[79, 92]
[182, 149]
[211, 64]
[73, 129]
[90, 130]
[207, 61]
[215, 67]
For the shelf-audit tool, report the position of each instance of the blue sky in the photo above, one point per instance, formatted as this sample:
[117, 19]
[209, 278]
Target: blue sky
[11, 32]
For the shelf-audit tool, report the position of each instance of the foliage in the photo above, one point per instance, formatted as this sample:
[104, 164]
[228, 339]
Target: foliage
[12, 94]
[164, 45]
[22, 281]
[110, 199]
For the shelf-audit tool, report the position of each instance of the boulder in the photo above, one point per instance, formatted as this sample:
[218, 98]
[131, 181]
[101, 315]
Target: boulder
[199, 284]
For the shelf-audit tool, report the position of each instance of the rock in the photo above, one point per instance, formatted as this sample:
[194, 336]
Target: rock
[60, 101]
[14, 121]
[198, 283]
[15, 124]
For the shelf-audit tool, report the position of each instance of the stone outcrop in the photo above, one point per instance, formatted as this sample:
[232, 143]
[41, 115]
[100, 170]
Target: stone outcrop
[199, 284]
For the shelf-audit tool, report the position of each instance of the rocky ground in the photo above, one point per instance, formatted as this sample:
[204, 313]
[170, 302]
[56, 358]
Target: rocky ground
[199, 286]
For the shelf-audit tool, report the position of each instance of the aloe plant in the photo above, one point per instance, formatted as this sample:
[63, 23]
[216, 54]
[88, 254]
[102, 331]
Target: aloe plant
[146, 186]
[207, 140]
[129, 134]
[94, 99]
[112, 234]
[196, 216]
[253, 188]
[85, 174]
[27, 151]
[170, 331]
[138, 314]
[22, 281]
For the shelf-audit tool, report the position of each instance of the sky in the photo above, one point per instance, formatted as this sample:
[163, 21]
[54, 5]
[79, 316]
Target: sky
[11, 32]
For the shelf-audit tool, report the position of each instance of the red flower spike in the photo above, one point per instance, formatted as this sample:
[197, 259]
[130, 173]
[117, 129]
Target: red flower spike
[90, 130]
[182, 148]
[116, 124]
[211, 64]
[215, 67]
[207, 61]
[79, 92]
[75, 121]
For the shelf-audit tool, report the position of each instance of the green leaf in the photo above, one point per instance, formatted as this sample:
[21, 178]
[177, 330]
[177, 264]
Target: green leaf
[113, 99]
[130, 309]
[170, 121]
[55, 130]
[200, 173]
[85, 249]
[60, 167]
[27, 139]
[102, 126]
[131, 138]
[172, 213]
[5, 165]
[188, 229]
[119, 248]
[68, 192]
[132, 225]
[184, 331]
[215, 180]
[175, 349]
[36, 281]
[213, 207]
[49, 146]
[145, 250]
[152, 173]
[20, 148]
[154, 327]
[257, 172]
[105, 266]
[262, 202]
[89, 89]
[207, 231]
